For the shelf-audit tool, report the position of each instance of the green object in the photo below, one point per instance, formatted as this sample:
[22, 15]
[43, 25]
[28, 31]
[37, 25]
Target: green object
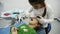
[25, 29]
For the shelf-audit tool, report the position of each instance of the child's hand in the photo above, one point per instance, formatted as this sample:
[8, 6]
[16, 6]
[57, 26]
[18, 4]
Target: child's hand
[14, 30]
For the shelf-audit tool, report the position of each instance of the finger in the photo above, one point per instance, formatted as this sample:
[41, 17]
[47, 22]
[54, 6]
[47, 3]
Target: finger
[13, 29]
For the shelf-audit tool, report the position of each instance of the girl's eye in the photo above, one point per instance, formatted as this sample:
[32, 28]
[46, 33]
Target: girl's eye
[30, 24]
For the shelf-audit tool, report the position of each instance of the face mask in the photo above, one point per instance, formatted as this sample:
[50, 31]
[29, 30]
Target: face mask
[39, 12]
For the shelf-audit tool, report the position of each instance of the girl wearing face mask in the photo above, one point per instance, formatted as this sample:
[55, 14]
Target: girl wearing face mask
[41, 10]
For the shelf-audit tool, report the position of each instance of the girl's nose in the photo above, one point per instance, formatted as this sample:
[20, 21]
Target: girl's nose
[31, 19]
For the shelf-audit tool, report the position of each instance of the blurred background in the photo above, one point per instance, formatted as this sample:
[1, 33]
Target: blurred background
[24, 4]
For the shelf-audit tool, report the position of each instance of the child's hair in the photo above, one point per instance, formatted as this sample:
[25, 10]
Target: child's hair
[42, 2]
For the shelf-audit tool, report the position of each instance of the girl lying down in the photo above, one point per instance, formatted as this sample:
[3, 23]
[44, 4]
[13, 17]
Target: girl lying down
[34, 24]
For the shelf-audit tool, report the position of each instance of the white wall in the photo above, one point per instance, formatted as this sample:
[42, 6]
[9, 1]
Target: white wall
[55, 5]
[11, 4]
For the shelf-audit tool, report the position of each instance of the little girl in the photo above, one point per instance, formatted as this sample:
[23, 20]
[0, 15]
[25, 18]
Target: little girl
[33, 23]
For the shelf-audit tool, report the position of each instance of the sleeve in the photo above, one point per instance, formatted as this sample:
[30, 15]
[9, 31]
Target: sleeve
[50, 17]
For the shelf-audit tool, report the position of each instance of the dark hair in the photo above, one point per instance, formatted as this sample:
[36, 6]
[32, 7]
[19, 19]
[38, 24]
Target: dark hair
[42, 2]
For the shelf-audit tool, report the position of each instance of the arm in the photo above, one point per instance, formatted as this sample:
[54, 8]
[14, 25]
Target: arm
[50, 17]
[46, 20]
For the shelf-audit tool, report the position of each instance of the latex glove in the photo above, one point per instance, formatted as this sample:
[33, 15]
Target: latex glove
[43, 20]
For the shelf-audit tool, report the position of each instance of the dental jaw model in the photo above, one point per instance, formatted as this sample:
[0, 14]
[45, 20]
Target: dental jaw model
[15, 15]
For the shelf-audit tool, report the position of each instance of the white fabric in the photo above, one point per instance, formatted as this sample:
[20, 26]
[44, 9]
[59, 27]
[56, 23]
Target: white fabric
[49, 17]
